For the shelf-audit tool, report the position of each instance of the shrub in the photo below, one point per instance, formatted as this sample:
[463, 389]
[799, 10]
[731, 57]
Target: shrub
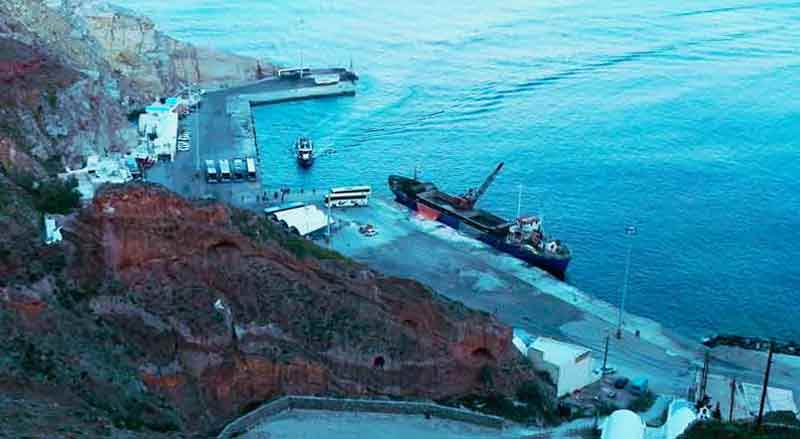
[529, 392]
[52, 99]
[643, 402]
[56, 196]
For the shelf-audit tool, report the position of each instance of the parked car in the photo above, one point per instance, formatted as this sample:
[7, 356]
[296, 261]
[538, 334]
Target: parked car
[621, 382]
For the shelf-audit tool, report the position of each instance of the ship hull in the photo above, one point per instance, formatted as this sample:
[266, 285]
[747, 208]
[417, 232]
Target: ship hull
[557, 266]
[553, 265]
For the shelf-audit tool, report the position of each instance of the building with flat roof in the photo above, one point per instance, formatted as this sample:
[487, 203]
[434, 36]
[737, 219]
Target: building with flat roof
[97, 172]
[568, 365]
[307, 220]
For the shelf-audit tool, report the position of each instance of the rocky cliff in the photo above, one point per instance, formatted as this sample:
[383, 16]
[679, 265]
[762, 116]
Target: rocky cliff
[70, 72]
[154, 62]
[205, 311]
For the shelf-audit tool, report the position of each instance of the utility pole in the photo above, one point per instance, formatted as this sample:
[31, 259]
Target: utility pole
[629, 231]
[330, 241]
[733, 399]
[704, 375]
[764, 389]
[197, 138]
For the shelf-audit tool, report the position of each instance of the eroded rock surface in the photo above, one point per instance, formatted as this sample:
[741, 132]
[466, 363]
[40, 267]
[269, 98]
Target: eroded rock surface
[224, 320]
[160, 315]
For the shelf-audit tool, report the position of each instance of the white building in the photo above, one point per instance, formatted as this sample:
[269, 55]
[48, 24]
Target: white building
[623, 424]
[99, 171]
[305, 219]
[52, 231]
[569, 365]
[161, 121]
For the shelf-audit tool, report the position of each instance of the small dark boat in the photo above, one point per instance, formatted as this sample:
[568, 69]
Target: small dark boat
[304, 149]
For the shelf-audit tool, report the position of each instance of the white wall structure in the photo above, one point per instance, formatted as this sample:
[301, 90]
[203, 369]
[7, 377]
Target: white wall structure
[777, 399]
[52, 232]
[747, 397]
[680, 416]
[623, 424]
[569, 365]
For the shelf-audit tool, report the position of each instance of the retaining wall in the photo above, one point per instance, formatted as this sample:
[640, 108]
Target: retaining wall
[265, 411]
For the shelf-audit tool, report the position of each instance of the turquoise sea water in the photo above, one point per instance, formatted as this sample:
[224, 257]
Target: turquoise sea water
[680, 117]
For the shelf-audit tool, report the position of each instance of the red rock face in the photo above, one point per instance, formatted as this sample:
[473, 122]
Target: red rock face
[281, 325]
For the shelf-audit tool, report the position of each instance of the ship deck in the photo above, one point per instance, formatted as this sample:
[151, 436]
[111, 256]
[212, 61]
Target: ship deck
[480, 219]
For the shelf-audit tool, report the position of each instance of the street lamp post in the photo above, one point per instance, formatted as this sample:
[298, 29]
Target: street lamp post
[197, 139]
[629, 231]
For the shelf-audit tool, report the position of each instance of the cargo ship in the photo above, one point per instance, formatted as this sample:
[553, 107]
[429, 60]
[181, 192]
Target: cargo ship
[522, 237]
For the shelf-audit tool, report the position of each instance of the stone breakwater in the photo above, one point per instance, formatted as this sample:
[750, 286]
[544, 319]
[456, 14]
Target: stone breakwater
[280, 405]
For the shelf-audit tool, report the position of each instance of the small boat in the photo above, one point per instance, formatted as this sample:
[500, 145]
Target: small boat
[304, 149]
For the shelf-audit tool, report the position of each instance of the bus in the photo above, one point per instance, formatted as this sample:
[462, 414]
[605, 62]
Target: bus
[211, 172]
[350, 196]
[224, 170]
[238, 169]
[251, 169]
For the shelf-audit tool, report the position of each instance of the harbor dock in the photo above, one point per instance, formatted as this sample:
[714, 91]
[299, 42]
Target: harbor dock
[222, 128]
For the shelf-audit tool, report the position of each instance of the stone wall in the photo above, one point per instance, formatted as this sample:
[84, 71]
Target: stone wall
[270, 409]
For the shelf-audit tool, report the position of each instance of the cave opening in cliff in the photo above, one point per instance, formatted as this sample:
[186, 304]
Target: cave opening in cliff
[483, 354]
[378, 362]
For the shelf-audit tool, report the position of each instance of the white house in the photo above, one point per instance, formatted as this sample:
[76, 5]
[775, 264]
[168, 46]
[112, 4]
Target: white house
[623, 424]
[569, 365]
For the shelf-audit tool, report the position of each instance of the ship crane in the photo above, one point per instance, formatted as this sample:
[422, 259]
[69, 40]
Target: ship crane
[471, 197]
